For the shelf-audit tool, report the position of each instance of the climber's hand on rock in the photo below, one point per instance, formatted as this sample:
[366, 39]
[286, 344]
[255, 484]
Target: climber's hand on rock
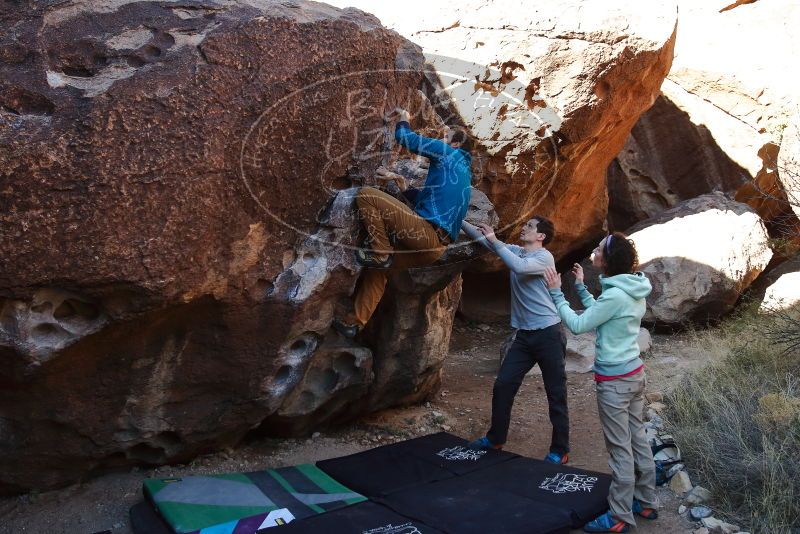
[400, 114]
[577, 270]
[552, 278]
[488, 232]
[385, 175]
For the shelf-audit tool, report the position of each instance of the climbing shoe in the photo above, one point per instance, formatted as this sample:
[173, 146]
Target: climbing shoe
[647, 513]
[368, 258]
[348, 331]
[483, 444]
[555, 458]
[606, 523]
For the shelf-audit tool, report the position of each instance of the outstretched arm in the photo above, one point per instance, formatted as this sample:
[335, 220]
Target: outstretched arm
[485, 235]
[534, 266]
[603, 309]
[418, 144]
[476, 235]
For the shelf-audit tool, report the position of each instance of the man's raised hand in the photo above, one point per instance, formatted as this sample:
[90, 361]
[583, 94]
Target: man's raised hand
[488, 232]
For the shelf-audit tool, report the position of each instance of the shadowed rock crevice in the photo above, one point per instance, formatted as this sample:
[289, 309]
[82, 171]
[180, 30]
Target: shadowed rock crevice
[666, 159]
[24, 102]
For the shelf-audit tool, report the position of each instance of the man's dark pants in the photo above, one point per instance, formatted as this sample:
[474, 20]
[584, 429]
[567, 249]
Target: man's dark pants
[547, 347]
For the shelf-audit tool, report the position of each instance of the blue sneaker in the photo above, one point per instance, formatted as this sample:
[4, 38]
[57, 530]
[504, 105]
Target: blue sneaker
[647, 513]
[483, 444]
[606, 523]
[555, 458]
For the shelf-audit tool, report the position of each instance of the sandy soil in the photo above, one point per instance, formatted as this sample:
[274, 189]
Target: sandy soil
[462, 407]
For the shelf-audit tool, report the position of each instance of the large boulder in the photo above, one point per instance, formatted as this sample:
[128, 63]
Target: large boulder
[721, 116]
[178, 229]
[700, 256]
[783, 294]
[549, 92]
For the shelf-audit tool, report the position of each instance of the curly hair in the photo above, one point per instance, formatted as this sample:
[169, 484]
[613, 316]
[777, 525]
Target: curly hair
[619, 255]
[461, 136]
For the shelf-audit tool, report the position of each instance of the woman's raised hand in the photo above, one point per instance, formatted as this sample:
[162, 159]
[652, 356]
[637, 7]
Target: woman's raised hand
[577, 270]
[552, 278]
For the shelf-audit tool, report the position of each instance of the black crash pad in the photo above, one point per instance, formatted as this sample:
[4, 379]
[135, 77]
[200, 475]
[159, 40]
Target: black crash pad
[455, 506]
[583, 494]
[435, 485]
[390, 468]
[366, 517]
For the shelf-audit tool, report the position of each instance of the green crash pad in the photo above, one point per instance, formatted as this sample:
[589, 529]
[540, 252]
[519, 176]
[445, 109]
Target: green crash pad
[194, 503]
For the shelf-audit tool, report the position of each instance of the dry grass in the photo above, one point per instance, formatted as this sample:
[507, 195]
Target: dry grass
[737, 422]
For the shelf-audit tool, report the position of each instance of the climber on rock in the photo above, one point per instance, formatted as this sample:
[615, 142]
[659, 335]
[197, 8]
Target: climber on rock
[421, 233]
[539, 337]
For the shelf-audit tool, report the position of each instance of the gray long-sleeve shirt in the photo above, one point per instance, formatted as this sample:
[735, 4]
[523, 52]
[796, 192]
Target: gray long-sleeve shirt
[532, 307]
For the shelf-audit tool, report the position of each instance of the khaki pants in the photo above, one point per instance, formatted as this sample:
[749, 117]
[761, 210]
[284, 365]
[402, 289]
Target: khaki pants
[620, 404]
[418, 245]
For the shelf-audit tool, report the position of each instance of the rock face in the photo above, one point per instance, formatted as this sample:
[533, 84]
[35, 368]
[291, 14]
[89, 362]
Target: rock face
[700, 256]
[789, 164]
[177, 185]
[549, 92]
[775, 191]
[724, 107]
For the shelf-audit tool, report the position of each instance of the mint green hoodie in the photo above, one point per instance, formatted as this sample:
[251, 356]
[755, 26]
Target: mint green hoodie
[616, 314]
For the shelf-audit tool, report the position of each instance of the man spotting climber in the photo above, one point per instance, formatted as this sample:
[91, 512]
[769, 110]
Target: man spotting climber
[421, 234]
[539, 337]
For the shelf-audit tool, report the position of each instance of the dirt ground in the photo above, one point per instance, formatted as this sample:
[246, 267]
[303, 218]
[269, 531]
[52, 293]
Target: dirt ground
[462, 407]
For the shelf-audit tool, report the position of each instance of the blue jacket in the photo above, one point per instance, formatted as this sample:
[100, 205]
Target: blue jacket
[444, 198]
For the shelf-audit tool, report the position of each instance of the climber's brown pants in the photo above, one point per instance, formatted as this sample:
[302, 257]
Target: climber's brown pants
[417, 244]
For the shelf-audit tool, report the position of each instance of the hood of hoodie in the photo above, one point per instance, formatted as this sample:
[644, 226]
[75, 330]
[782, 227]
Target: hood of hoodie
[636, 285]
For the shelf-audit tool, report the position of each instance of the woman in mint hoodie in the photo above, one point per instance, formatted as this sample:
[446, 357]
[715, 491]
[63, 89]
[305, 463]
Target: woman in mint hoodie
[619, 376]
